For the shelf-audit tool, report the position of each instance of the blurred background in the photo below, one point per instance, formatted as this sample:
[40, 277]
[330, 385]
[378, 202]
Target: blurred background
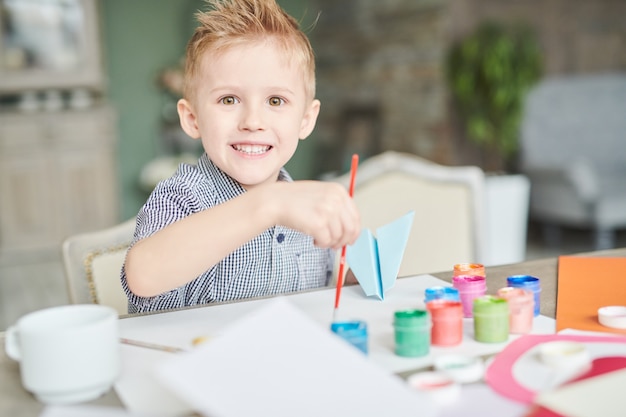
[88, 91]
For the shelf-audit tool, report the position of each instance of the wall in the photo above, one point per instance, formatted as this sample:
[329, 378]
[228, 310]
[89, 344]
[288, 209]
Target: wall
[141, 37]
[385, 58]
[576, 37]
[381, 58]
[379, 70]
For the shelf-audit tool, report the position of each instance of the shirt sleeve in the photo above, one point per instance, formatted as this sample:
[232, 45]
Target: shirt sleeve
[170, 201]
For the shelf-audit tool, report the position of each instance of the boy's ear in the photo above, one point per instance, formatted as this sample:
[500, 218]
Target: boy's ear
[309, 119]
[188, 120]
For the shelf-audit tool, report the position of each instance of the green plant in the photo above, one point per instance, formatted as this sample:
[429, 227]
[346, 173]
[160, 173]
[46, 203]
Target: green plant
[489, 73]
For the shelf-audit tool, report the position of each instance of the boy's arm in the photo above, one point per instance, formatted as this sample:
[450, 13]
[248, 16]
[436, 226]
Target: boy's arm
[183, 250]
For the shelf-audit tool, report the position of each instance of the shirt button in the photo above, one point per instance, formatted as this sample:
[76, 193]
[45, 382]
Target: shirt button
[280, 237]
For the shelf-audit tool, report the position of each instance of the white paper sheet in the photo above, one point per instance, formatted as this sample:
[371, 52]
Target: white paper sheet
[138, 388]
[601, 395]
[480, 400]
[277, 362]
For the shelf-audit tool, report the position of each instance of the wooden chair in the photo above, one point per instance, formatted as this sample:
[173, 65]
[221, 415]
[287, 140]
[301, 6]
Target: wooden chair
[93, 262]
[449, 222]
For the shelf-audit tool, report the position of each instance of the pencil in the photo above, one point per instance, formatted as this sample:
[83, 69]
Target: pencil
[342, 260]
[149, 345]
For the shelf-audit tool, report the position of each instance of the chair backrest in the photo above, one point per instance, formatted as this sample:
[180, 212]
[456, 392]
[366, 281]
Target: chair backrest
[93, 262]
[449, 222]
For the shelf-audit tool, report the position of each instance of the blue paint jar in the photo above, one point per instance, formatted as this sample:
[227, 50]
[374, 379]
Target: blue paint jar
[354, 332]
[441, 292]
[528, 283]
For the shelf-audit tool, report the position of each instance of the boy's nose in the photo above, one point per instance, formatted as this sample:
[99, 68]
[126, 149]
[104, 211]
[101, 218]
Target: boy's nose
[252, 118]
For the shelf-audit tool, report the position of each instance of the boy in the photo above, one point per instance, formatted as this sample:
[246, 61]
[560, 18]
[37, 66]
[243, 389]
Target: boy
[236, 225]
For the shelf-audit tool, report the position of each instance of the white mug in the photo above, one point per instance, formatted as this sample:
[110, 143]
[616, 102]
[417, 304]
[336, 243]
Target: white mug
[68, 354]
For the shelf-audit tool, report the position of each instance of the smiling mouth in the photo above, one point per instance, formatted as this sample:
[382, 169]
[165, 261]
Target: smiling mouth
[252, 149]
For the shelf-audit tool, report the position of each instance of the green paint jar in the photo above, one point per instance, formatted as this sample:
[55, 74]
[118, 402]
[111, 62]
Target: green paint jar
[491, 319]
[412, 332]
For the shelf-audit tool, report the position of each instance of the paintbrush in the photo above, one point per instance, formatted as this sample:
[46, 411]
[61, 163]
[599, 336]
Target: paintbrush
[342, 260]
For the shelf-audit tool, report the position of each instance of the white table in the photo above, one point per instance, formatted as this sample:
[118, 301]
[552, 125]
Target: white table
[180, 327]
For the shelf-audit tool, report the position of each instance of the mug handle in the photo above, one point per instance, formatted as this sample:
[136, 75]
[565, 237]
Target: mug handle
[11, 345]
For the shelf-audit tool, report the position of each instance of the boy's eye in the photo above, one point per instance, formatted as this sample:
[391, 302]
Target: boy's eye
[276, 101]
[229, 100]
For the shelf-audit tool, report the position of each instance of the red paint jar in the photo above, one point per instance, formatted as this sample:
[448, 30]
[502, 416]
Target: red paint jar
[447, 322]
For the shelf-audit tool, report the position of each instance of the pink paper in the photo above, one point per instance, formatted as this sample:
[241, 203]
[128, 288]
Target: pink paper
[500, 376]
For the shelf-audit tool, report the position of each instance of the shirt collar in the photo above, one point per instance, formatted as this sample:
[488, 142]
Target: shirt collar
[225, 181]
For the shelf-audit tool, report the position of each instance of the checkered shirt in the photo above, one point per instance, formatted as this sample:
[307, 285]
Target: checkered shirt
[279, 260]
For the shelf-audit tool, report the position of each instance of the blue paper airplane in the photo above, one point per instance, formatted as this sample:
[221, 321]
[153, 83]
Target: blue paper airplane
[375, 261]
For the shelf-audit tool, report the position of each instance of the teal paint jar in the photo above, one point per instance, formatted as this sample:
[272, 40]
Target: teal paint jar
[491, 319]
[353, 332]
[412, 332]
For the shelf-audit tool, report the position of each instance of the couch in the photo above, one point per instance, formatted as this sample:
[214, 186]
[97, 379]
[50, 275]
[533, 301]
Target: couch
[573, 149]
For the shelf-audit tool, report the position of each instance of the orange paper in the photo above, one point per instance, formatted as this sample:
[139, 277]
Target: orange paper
[586, 284]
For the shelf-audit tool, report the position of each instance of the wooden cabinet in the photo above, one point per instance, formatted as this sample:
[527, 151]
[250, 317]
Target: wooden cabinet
[58, 176]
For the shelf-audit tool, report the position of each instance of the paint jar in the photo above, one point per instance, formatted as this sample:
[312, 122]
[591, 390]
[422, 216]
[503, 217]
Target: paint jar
[447, 322]
[441, 292]
[412, 332]
[521, 309]
[354, 332]
[469, 269]
[528, 283]
[491, 319]
[470, 287]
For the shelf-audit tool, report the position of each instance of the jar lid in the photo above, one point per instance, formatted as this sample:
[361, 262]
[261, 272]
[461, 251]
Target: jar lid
[353, 327]
[490, 304]
[443, 308]
[469, 269]
[463, 369]
[469, 280]
[441, 292]
[438, 386]
[411, 317]
[612, 316]
[565, 354]
[522, 281]
[509, 293]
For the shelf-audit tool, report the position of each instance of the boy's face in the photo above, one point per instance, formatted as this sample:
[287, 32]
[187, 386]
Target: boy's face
[250, 110]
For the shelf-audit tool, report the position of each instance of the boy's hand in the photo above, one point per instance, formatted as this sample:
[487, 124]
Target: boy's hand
[321, 209]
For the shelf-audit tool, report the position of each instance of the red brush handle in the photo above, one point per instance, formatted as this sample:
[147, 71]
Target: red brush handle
[342, 260]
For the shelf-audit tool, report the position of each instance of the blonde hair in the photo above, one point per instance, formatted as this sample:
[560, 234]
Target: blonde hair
[236, 22]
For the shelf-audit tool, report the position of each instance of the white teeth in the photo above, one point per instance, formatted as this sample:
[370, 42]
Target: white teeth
[252, 149]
